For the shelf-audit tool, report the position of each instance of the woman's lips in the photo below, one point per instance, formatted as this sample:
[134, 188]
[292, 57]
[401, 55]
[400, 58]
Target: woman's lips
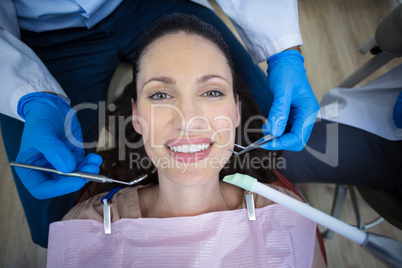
[189, 149]
[188, 141]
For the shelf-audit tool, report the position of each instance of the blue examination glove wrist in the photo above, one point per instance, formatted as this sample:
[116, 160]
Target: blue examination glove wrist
[294, 102]
[52, 138]
[46, 98]
[290, 55]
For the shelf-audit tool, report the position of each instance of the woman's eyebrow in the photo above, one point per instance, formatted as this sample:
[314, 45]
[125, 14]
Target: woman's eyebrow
[162, 79]
[170, 81]
[207, 77]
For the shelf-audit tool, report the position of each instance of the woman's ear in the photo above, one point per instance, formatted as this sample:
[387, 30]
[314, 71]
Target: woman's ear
[136, 122]
[238, 116]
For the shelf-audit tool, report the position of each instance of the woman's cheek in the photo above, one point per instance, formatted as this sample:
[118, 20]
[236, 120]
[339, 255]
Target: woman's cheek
[154, 123]
[224, 130]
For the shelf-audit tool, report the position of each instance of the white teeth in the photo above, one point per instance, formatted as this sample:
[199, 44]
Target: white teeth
[189, 149]
[185, 148]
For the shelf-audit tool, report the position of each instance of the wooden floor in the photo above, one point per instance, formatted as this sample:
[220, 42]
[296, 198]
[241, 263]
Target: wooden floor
[332, 33]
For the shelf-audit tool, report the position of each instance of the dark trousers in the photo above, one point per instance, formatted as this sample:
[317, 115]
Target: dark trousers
[83, 62]
[341, 154]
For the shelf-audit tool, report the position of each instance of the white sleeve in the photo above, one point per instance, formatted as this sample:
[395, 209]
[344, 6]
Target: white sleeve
[265, 26]
[21, 71]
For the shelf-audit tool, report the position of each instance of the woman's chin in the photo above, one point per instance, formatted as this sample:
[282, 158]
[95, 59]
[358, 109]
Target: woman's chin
[190, 174]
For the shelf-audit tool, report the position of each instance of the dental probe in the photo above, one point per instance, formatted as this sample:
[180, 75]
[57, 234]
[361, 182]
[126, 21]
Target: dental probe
[82, 175]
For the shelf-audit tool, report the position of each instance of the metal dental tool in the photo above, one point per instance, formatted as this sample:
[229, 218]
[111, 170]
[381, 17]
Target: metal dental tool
[82, 175]
[254, 145]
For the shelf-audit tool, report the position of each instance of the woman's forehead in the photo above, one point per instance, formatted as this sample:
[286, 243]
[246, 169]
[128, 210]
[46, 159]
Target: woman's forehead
[173, 44]
[182, 39]
[183, 53]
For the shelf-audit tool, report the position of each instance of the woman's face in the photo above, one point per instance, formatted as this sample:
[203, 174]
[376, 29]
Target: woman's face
[186, 109]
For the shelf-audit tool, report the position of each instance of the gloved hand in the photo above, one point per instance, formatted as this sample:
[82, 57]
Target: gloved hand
[46, 143]
[292, 94]
[397, 115]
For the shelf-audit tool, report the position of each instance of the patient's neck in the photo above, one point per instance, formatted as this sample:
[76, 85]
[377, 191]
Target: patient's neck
[171, 200]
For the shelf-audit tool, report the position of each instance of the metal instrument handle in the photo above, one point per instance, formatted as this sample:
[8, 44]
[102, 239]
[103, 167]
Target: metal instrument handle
[82, 175]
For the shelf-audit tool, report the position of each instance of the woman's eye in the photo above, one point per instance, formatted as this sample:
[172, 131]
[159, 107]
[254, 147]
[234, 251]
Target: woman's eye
[213, 93]
[159, 96]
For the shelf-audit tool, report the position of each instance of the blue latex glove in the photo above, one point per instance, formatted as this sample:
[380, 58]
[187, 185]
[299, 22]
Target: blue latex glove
[45, 143]
[397, 115]
[292, 95]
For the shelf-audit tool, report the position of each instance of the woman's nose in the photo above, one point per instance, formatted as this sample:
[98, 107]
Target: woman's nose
[190, 117]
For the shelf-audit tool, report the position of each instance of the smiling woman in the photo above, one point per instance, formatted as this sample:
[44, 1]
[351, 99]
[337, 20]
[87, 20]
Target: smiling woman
[185, 109]
[186, 104]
